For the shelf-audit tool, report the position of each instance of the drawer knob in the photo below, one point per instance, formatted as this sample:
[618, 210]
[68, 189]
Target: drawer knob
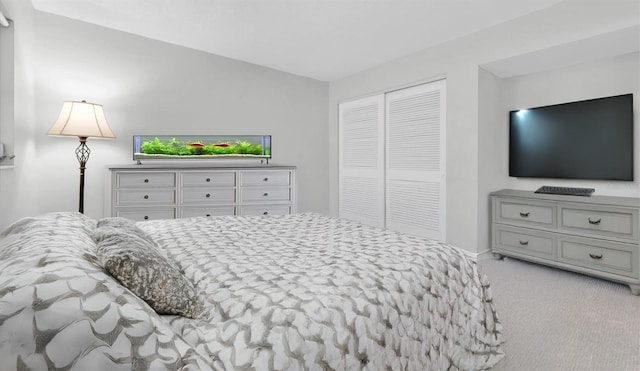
[265, 179]
[208, 180]
[524, 243]
[146, 217]
[595, 257]
[595, 222]
[265, 213]
[146, 180]
[146, 197]
[265, 194]
[524, 215]
[208, 215]
[207, 195]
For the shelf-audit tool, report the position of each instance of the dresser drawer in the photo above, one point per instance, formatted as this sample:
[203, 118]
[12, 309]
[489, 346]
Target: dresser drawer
[147, 214]
[188, 212]
[600, 220]
[617, 258]
[147, 179]
[131, 197]
[264, 210]
[265, 194]
[525, 212]
[525, 241]
[254, 178]
[208, 195]
[208, 178]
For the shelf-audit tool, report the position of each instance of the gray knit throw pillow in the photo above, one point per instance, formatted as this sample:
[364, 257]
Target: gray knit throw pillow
[132, 257]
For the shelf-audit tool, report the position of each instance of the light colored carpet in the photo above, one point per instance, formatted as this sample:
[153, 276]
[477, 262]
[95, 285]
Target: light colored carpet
[558, 320]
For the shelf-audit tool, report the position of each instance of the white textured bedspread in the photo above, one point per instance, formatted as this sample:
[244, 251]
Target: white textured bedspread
[293, 292]
[305, 291]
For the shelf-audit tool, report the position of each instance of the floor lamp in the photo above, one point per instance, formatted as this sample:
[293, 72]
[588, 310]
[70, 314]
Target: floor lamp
[82, 120]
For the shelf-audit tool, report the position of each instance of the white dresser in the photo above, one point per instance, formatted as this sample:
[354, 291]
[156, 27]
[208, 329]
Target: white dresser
[595, 235]
[147, 192]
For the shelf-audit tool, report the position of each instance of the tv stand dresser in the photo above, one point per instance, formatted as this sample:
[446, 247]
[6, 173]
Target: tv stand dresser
[595, 235]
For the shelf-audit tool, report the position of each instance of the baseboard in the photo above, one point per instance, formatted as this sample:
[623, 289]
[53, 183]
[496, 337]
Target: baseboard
[487, 254]
[478, 256]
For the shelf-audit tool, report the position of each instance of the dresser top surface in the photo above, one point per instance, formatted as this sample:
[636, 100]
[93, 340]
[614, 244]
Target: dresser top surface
[593, 200]
[200, 166]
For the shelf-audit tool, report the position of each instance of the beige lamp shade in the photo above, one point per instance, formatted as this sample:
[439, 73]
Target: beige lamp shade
[82, 119]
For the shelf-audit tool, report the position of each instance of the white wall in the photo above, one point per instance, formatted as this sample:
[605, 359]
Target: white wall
[15, 193]
[146, 87]
[152, 87]
[602, 78]
[458, 61]
[6, 92]
[497, 96]
[491, 154]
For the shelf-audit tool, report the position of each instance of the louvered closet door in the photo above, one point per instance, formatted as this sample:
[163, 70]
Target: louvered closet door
[361, 160]
[415, 178]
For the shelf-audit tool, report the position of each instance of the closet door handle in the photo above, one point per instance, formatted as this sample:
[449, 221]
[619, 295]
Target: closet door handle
[595, 222]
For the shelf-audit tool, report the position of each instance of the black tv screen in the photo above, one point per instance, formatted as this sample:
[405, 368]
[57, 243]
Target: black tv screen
[590, 139]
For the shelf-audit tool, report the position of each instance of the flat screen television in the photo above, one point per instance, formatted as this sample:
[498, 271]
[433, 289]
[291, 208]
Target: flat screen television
[589, 139]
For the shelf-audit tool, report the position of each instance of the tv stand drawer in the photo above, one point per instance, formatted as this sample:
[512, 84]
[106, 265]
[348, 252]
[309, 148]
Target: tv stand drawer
[525, 241]
[605, 256]
[526, 212]
[605, 221]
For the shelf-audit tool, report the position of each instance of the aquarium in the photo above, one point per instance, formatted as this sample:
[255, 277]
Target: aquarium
[161, 147]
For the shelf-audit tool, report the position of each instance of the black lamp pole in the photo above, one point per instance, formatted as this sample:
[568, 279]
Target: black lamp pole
[82, 153]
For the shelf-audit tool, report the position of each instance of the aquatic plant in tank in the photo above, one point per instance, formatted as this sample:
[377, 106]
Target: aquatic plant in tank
[202, 147]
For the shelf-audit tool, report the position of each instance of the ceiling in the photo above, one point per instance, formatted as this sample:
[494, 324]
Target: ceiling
[619, 42]
[321, 39]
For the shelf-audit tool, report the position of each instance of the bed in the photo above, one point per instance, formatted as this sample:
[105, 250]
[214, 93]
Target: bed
[290, 292]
